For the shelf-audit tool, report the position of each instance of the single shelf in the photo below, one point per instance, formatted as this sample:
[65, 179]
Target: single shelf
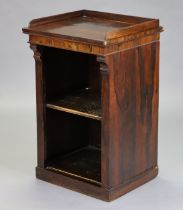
[85, 102]
[83, 164]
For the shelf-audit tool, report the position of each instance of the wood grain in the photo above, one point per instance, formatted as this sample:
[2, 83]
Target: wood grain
[133, 112]
[102, 144]
[97, 28]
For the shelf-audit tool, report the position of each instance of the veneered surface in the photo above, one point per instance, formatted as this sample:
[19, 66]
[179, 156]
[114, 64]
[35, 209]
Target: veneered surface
[85, 27]
[90, 26]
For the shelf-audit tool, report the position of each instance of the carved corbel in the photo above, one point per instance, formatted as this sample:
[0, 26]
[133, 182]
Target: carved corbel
[37, 52]
[103, 66]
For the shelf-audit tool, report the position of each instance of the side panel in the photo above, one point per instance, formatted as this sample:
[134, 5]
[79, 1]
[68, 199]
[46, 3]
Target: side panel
[133, 112]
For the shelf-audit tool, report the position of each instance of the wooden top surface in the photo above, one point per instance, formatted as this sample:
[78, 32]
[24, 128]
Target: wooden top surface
[90, 26]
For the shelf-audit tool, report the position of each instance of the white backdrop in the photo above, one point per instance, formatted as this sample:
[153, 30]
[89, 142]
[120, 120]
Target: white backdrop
[18, 187]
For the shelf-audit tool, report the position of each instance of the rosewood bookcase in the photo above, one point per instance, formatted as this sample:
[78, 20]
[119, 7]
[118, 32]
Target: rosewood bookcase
[97, 78]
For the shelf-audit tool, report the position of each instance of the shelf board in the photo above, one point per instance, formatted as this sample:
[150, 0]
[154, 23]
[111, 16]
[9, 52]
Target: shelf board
[84, 102]
[83, 164]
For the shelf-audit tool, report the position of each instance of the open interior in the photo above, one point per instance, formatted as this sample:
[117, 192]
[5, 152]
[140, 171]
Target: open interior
[72, 87]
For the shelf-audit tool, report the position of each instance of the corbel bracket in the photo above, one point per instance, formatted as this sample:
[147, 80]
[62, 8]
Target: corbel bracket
[103, 66]
[37, 52]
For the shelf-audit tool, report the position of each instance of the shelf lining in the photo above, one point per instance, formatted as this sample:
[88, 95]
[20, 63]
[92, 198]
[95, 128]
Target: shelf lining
[85, 102]
[84, 164]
